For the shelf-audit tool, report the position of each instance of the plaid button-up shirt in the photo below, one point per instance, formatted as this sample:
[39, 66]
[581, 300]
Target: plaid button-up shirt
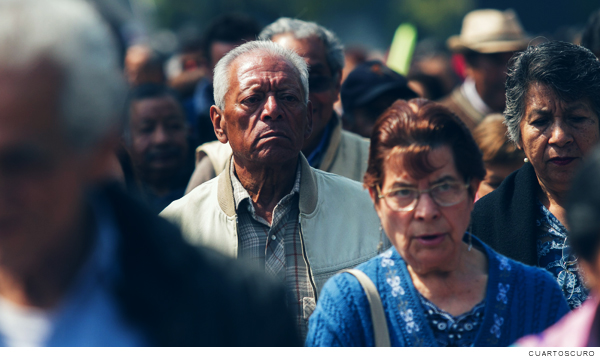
[277, 246]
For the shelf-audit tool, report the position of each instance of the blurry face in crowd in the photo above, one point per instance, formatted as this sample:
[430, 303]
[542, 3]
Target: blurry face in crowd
[489, 73]
[324, 85]
[158, 137]
[138, 70]
[495, 174]
[265, 118]
[218, 49]
[42, 177]
[366, 116]
[429, 237]
[556, 135]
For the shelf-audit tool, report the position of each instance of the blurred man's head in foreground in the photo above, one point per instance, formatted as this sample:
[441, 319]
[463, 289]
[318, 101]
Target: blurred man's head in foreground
[61, 89]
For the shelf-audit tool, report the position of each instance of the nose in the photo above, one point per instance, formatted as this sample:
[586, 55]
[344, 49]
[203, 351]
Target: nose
[426, 209]
[272, 110]
[560, 134]
[160, 135]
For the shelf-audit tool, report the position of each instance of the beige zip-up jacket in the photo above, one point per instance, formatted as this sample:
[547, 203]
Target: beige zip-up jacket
[339, 227]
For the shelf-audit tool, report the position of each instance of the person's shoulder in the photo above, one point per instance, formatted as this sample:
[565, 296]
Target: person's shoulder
[352, 137]
[541, 277]
[192, 200]
[340, 190]
[337, 180]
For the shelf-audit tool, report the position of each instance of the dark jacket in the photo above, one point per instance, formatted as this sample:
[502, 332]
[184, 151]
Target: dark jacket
[506, 218]
[179, 295]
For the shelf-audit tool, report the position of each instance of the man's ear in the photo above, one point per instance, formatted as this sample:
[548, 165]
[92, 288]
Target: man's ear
[309, 120]
[219, 123]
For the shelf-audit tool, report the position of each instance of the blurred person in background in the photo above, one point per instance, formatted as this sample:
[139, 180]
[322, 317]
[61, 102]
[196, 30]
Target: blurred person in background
[438, 284]
[591, 34]
[329, 147]
[223, 34]
[269, 206]
[432, 67]
[500, 155]
[552, 112]
[487, 41]
[367, 92]
[156, 138]
[354, 55]
[143, 66]
[426, 86]
[580, 327]
[81, 264]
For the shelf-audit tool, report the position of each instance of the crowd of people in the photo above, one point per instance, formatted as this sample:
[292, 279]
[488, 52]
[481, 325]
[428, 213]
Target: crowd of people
[265, 187]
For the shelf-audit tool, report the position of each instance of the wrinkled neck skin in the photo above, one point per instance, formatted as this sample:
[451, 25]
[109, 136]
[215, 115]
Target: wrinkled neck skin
[554, 199]
[266, 184]
[41, 279]
[456, 290]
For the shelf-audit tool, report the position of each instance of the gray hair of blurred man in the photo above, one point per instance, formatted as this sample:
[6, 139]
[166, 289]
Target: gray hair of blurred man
[72, 36]
[304, 29]
[264, 47]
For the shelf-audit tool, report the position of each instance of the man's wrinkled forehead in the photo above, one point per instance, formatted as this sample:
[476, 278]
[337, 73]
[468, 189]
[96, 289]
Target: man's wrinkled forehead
[261, 62]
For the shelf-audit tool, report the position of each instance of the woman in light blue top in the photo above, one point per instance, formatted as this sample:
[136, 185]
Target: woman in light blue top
[439, 285]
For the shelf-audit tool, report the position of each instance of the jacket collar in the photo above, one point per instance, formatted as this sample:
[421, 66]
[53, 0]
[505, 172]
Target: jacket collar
[308, 189]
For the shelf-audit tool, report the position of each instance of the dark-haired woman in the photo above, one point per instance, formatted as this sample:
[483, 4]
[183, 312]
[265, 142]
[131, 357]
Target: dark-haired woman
[581, 327]
[552, 111]
[439, 286]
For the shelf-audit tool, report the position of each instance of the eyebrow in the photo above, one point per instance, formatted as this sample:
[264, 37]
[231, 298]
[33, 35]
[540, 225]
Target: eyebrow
[576, 106]
[401, 183]
[443, 179]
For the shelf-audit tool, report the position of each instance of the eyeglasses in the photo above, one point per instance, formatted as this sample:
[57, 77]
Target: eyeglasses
[566, 276]
[445, 194]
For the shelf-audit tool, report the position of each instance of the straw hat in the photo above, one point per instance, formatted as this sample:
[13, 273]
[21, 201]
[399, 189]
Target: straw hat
[490, 31]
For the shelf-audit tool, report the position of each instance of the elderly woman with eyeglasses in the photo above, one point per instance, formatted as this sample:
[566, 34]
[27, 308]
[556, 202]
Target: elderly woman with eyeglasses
[438, 284]
[552, 112]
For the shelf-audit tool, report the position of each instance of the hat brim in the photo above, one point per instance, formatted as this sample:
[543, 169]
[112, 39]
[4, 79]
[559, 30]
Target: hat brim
[456, 44]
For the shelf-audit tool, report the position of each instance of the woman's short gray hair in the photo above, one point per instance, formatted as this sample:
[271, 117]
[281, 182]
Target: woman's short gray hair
[572, 71]
[304, 29]
[221, 77]
[71, 35]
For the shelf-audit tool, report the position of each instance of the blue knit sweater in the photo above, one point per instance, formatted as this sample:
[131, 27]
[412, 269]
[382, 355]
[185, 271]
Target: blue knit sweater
[520, 300]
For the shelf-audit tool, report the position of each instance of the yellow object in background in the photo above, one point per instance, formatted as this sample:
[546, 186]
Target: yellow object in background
[402, 48]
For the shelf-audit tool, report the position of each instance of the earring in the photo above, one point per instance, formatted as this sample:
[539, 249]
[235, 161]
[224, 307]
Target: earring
[526, 160]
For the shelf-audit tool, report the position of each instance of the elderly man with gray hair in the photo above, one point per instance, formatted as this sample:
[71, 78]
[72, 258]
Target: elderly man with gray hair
[299, 224]
[329, 147]
[81, 264]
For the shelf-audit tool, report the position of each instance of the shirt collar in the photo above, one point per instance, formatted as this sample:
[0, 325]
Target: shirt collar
[240, 193]
[470, 92]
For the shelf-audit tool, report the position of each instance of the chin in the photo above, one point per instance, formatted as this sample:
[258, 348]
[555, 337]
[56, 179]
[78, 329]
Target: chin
[427, 260]
[277, 156]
